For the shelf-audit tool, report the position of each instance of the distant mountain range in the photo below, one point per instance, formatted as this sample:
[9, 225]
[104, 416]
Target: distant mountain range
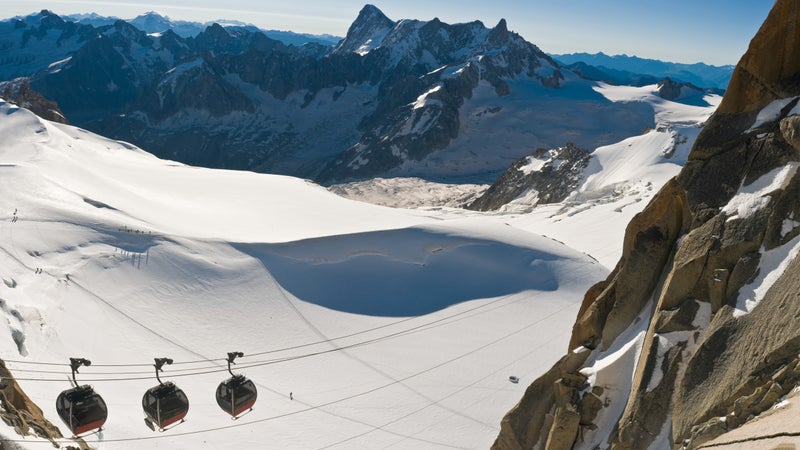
[393, 98]
[624, 69]
[153, 22]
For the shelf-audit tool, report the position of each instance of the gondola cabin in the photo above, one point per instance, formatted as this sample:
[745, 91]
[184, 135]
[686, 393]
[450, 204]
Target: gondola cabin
[165, 405]
[82, 409]
[236, 395]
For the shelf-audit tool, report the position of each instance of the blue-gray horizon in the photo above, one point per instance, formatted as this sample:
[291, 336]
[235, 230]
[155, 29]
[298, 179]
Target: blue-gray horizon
[715, 32]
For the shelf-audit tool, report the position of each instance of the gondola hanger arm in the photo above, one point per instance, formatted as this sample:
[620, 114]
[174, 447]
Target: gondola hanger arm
[231, 357]
[159, 364]
[76, 363]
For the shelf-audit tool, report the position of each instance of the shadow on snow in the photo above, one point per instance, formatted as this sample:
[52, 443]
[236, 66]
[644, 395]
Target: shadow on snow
[403, 272]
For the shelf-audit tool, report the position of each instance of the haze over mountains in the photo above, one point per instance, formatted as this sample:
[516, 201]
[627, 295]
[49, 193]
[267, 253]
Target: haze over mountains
[631, 69]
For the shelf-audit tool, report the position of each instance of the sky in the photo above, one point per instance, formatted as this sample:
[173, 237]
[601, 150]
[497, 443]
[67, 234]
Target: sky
[711, 31]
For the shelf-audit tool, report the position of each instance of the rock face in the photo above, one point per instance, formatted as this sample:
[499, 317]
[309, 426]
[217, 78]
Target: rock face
[19, 92]
[706, 289]
[669, 89]
[17, 410]
[547, 175]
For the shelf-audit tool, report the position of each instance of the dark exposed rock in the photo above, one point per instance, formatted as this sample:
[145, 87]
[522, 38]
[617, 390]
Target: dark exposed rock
[383, 102]
[551, 174]
[679, 318]
[19, 92]
[669, 89]
[370, 23]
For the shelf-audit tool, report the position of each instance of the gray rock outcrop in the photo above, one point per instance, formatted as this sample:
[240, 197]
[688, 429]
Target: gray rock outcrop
[548, 175]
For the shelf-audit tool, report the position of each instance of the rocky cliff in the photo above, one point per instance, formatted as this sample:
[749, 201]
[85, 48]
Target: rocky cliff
[19, 92]
[546, 176]
[17, 410]
[696, 330]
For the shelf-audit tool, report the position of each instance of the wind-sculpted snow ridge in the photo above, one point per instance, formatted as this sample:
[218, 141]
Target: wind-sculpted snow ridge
[388, 327]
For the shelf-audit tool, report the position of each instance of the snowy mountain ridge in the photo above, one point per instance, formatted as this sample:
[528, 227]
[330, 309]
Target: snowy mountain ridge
[434, 101]
[152, 22]
[700, 74]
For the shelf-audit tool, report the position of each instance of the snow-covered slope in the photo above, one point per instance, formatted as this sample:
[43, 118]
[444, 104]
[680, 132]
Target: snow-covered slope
[389, 327]
[618, 182]
[621, 178]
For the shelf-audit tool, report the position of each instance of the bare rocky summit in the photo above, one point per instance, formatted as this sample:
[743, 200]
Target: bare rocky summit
[707, 277]
[19, 92]
[548, 175]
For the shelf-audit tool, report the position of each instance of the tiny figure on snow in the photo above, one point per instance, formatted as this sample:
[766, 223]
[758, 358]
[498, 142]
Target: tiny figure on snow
[291, 397]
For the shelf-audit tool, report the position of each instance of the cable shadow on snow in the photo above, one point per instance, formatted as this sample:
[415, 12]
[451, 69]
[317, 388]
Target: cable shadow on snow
[405, 272]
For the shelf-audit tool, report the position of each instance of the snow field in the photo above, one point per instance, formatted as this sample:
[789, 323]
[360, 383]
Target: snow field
[392, 328]
[143, 258]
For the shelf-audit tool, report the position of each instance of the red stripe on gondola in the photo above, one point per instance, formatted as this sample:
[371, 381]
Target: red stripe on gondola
[89, 426]
[244, 407]
[170, 420]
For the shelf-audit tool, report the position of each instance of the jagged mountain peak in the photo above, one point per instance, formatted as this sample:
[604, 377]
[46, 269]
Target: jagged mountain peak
[499, 33]
[126, 31]
[153, 14]
[501, 26]
[768, 71]
[431, 43]
[46, 18]
[371, 13]
[151, 22]
[366, 32]
[216, 29]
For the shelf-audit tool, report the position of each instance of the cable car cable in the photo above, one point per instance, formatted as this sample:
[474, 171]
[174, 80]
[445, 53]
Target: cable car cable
[332, 402]
[216, 368]
[278, 350]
